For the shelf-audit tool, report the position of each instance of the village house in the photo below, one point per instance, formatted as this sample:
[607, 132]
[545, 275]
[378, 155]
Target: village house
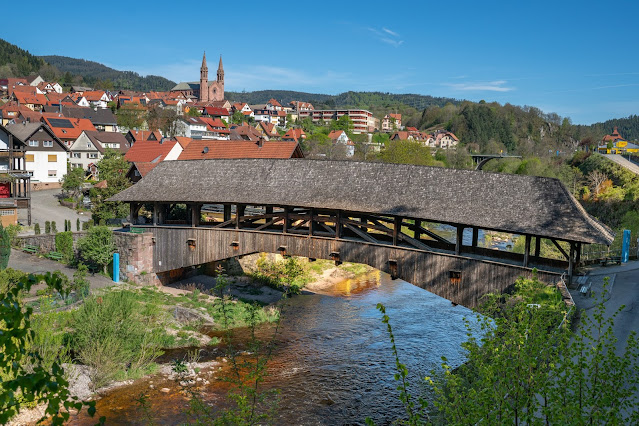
[147, 154]
[301, 106]
[216, 112]
[339, 137]
[616, 144]
[45, 156]
[294, 135]
[67, 129]
[90, 146]
[244, 132]
[97, 98]
[267, 130]
[391, 122]
[203, 150]
[133, 136]
[102, 119]
[216, 128]
[15, 182]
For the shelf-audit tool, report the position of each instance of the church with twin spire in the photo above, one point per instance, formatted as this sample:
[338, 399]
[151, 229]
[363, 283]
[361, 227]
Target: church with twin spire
[206, 91]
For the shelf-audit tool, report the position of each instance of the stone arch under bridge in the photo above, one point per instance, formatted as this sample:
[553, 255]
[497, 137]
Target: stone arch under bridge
[373, 213]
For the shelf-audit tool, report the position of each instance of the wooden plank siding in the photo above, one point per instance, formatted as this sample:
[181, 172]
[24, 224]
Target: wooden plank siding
[426, 269]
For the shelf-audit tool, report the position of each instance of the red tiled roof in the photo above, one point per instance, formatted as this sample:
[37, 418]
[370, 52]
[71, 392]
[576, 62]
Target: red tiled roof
[149, 151]
[397, 117]
[183, 141]
[411, 129]
[145, 168]
[143, 135]
[294, 134]
[239, 149]
[216, 111]
[78, 125]
[274, 102]
[29, 98]
[215, 125]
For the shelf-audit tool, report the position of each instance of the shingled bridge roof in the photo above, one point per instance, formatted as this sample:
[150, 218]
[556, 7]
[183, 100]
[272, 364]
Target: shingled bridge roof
[512, 203]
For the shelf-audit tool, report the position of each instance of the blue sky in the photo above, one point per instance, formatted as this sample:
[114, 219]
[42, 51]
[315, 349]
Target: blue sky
[576, 58]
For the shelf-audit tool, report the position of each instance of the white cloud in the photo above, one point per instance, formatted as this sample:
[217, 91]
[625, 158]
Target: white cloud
[485, 86]
[387, 36]
[393, 33]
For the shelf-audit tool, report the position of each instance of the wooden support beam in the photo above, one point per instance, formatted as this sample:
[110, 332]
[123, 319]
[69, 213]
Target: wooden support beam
[328, 229]
[433, 235]
[311, 223]
[537, 246]
[527, 250]
[269, 210]
[560, 248]
[338, 225]
[458, 243]
[267, 224]
[155, 213]
[223, 224]
[397, 226]
[287, 220]
[361, 234]
[412, 241]
[239, 212]
[227, 212]
[475, 236]
[578, 259]
[571, 262]
[417, 229]
[195, 215]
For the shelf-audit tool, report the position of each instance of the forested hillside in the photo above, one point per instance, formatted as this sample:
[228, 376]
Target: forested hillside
[628, 127]
[93, 72]
[16, 62]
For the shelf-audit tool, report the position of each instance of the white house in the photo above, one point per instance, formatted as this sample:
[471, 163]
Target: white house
[89, 147]
[46, 155]
[340, 137]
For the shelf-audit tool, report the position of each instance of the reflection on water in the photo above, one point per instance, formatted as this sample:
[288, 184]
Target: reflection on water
[333, 362]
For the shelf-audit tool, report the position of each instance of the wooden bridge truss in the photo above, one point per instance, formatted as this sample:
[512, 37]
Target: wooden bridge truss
[395, 231]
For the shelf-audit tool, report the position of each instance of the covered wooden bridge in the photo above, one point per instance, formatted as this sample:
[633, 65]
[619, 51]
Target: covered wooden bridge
[421, 224]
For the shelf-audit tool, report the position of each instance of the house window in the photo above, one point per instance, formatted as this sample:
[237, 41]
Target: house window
[77, 155]
[53, 158]
[47, 144]
[7, 212]
[34, 143]
[92, 155]
[53, 173]
[29, 158]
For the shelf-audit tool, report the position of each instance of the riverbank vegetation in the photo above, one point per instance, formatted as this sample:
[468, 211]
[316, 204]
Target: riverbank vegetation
[525, 366]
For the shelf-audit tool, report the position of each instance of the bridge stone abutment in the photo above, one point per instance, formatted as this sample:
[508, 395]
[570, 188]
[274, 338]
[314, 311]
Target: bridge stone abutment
[462, 280]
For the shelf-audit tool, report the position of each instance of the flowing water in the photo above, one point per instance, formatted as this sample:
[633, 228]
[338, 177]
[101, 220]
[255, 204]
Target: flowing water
[333, 362]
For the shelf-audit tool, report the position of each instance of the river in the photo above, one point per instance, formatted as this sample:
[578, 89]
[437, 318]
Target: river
[333, 363]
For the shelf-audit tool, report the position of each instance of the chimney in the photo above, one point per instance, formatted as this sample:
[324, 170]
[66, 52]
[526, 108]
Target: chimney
[260, 142]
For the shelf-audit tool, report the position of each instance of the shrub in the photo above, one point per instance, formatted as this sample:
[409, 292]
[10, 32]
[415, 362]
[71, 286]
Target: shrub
[97, 247]
[86, 225]
[47, 227]
[77, 224]
[64, 244]
[36, 228]
[5, 247]
[9, 278]
[54, 228]
[81, 284]
[13, 231]
[113, 338]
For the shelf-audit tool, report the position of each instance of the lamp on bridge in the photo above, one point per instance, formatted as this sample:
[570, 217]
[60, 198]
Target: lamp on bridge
[335, 257]
[282, 250]
[235, 245]
[392, 265]
[191, 243]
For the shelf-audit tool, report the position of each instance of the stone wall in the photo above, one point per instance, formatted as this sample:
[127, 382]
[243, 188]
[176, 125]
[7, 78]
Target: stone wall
[46, 242]
[136, 257]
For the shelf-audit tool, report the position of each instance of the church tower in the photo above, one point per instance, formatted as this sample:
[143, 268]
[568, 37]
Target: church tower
[219, 95]
[204, 79]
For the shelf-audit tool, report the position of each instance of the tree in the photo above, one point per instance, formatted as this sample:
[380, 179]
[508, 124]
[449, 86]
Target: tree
[5, 247]
[113, 168]
[26, 378]
[237, 117]
[131, 116]
[97, 247]
[407, 152]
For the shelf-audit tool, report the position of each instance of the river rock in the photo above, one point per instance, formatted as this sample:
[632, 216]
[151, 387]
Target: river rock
[165, 390]
[186, 315]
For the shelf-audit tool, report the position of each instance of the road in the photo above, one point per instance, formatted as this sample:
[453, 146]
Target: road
[45, 206]
[623, 162]
[623, 291]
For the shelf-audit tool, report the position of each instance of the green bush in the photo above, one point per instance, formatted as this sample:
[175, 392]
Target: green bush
[9, 278]
[77, 224]
[64, 245]
[81, 284]
[36, 228]
[113, 338]
[54, 228]
[47, 227]
[5, 247]
[97, 248]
